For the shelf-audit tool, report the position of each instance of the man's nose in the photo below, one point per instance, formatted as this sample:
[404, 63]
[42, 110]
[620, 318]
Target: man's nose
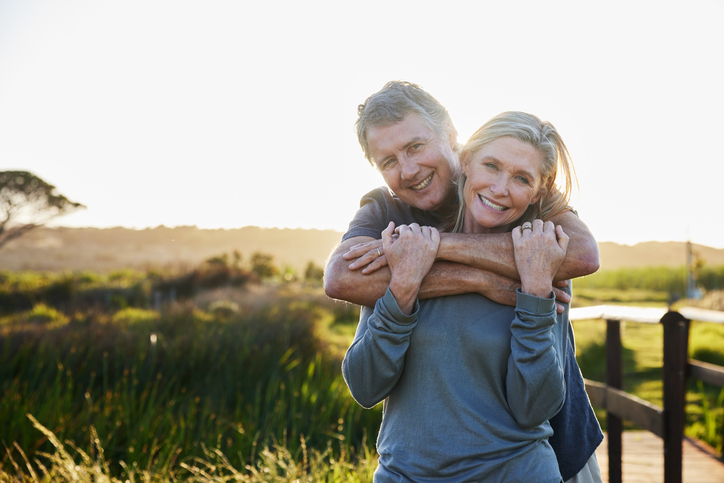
[408, 168]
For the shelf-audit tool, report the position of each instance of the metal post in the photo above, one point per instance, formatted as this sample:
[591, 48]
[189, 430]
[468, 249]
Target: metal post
[614, 378]
[676, 338]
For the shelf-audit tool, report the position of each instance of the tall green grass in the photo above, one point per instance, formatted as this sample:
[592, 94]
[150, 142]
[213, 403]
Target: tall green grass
[672, 280]
[159, 390]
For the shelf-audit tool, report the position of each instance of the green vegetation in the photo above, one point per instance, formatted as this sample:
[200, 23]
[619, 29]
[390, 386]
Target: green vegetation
[232, 378]
[657, 279]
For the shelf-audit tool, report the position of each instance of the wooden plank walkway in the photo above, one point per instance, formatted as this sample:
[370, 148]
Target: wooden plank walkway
[643, 460]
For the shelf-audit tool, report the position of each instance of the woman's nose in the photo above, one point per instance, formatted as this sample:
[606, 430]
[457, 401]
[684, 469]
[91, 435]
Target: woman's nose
[499, 187]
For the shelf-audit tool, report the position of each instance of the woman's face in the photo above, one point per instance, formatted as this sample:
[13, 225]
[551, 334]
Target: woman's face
[503, 179]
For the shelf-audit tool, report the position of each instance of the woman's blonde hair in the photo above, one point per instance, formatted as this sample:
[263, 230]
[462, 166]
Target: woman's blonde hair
[557, 164]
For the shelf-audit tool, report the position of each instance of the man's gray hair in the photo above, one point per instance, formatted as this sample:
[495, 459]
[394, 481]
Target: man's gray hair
[393, 103]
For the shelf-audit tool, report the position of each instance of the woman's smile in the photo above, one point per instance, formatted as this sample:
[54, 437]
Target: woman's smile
[491, 205]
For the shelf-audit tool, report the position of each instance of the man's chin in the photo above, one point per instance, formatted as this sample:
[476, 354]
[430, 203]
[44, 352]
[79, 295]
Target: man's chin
[427, 203]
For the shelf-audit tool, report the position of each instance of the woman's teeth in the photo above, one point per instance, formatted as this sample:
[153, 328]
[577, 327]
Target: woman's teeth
[424, 183]
[492, 205]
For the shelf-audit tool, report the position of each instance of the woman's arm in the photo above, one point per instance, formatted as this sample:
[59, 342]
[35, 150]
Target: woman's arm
[535, 378]
[376, 358]
[535, 382]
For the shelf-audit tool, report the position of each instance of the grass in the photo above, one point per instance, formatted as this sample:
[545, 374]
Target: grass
[238, 384]
[164, 389]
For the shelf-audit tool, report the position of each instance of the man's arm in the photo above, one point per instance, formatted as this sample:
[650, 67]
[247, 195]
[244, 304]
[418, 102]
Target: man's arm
[495, 252]
[445, 278]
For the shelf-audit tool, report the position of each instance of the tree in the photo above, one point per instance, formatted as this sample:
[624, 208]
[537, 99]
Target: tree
[263, 265]
[314, 273]
[27, 202]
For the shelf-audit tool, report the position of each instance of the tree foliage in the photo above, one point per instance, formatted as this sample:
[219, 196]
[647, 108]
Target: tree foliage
[27, 202]
[263, 265]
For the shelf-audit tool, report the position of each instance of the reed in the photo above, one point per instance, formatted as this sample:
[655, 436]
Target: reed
[160, 389]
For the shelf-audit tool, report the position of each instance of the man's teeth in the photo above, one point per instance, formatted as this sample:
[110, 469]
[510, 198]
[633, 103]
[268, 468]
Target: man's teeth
[424, 183]
[492, 205]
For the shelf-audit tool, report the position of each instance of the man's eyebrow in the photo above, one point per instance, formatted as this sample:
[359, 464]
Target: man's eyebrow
[415, 140]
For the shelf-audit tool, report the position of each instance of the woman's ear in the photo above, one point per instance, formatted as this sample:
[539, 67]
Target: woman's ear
[541, 191]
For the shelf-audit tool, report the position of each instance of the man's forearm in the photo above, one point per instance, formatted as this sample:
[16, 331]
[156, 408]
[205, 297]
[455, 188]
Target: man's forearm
[494, 252]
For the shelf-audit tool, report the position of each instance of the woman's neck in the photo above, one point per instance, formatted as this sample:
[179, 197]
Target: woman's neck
[472, 226]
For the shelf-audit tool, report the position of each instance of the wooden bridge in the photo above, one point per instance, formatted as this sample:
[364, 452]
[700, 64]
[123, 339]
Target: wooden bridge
[643, 460]
[661, 453]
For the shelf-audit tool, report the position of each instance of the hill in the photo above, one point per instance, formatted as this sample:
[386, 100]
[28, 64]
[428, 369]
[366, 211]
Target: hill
[654, 254]
[107, 249]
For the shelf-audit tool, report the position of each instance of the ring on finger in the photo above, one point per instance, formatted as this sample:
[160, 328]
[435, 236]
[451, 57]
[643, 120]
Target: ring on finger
[527, 226]
[379, 252]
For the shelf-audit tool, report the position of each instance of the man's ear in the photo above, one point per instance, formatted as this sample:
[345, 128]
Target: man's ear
[452, 137]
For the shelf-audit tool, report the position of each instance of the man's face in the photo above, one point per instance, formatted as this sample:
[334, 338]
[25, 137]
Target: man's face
[416, 163]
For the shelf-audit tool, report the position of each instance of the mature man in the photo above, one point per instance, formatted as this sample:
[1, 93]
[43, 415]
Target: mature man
[410, 138]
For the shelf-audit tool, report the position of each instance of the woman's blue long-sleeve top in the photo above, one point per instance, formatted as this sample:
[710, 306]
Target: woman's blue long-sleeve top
[468, 385]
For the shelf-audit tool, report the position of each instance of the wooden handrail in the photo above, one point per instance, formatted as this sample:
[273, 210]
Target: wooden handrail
[667, 422]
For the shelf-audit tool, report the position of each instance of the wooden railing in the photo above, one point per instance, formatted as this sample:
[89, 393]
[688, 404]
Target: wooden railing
[667, 422]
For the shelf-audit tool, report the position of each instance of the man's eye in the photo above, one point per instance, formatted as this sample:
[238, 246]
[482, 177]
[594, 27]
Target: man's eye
[415, 147]
[386, 164]
[491, 166]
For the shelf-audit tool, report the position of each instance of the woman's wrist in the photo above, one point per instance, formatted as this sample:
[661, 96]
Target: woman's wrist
[537, 289]
[405, 294]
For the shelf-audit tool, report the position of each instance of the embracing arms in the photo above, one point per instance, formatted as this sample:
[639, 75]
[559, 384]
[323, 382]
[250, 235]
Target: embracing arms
[482, 264]
[495, 252]
[444, 278]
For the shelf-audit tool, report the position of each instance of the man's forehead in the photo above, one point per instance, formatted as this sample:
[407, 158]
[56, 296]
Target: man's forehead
[396, 136]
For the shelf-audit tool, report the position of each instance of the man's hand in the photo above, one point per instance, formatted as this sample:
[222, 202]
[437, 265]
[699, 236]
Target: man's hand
[369, 256]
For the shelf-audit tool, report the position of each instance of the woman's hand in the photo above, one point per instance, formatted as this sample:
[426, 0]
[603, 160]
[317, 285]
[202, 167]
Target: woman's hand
[539, 251]
[369, 256]
[410, 256]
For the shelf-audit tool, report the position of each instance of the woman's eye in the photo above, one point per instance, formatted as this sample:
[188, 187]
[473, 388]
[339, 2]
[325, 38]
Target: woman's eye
[523, 180]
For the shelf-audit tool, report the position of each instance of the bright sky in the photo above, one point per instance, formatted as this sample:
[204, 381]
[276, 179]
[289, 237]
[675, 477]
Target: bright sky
[224, 114]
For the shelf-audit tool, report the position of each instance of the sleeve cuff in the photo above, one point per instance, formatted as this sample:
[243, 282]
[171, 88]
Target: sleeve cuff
[535, 305]
[388, 304]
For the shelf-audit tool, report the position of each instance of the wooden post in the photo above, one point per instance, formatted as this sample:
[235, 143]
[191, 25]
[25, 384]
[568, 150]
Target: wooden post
[676, 339]
[614, 378]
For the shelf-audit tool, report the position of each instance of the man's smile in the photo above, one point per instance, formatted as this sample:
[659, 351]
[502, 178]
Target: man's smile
[422, 184]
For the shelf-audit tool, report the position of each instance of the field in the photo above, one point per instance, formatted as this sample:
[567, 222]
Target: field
[236, 378]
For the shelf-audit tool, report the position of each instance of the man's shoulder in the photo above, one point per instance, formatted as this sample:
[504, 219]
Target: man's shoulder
[383, 196]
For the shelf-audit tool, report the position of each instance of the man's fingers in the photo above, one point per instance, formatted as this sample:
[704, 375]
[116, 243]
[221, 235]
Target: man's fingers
[359, 250]
[376, 265]
[561, 296]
